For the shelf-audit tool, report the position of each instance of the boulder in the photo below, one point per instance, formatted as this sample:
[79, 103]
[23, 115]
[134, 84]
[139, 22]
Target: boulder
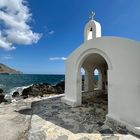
[2, 98]
[61, 84]
[60, 87]
[51, 89]
[42, 89]
[26, 92]
[15, 94]
[35, 90]
[1, 90]
[106, 131]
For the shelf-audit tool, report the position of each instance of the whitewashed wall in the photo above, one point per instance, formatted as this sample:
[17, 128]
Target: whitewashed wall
[123, 58]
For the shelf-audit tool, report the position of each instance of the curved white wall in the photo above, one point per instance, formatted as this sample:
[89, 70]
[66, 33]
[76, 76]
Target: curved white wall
[123, 58]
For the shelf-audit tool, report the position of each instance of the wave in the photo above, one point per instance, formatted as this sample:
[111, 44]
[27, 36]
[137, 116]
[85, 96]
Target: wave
[9, 97]
[19, 89]
[2, 86]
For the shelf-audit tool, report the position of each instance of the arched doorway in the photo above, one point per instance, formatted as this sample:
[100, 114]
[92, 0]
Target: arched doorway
[73, 78]
[89, 60]
[95, 82]
[95, 67]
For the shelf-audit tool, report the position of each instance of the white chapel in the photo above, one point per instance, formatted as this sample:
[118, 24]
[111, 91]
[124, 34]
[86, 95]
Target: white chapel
[118, 62]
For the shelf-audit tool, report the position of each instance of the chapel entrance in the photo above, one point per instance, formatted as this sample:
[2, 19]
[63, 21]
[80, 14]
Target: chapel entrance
[94, 85]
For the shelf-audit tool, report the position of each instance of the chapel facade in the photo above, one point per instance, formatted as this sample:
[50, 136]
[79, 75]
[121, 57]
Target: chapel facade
[117, 60]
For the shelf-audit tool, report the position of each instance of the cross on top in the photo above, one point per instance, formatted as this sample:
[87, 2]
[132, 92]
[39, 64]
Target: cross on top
[92, 14]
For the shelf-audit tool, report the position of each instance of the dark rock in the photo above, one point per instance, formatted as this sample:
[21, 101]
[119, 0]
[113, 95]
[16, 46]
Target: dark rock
[58, 89]
[67, 126]
[122, 130]
[106, 131]
[42, 89]
[61, 84]
[51, 89]
[24, 97]
[26, 91]
[31, 91]
[15, 94]
[100, 123]
[1, 90]
[2, 99]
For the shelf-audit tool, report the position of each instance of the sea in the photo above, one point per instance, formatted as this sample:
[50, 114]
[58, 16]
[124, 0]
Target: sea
[17, 82]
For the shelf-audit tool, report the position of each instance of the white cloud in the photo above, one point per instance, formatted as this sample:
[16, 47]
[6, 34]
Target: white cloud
[7, 57]
[14, 24]
[51, 32]
[57, 58]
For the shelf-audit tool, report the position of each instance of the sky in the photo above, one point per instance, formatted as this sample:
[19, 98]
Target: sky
[36, 36]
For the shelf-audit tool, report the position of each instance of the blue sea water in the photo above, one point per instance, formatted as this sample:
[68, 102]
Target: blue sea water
[10, 83]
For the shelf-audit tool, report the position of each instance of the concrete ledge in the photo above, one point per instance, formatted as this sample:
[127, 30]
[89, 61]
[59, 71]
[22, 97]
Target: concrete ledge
[129, 127]
[70, 102]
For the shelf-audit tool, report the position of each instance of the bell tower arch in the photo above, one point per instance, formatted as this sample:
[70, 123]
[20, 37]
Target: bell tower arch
[92, 29]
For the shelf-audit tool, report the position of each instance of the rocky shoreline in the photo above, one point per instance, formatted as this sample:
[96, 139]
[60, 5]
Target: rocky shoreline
[35, 90]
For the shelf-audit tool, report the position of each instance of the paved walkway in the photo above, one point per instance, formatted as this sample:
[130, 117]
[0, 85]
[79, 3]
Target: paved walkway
[50, 119]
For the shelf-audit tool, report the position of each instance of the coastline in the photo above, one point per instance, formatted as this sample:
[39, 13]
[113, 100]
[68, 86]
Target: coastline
[34, 90]
[13, 81]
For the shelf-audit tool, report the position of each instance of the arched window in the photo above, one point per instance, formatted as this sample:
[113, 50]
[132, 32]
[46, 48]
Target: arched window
[97, 79]
[89, 33]
[83, 78]
[96, 74]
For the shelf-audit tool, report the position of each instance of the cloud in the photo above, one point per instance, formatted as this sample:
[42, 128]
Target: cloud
[51, 32]
[57, 58]
[7, 57]
[14, 24]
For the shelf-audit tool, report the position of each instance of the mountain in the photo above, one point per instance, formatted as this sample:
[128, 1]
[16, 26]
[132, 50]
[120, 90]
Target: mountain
[7, 70]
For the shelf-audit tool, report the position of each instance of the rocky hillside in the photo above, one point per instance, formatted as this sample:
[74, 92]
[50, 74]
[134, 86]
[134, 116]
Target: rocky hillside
[7, 70]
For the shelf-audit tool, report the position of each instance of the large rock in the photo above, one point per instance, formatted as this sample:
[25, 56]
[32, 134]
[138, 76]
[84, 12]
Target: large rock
[31, 91]
[15, 94]
[1, 90]
[61, 84]
[42, 89]
[60, 87]
[2, 98]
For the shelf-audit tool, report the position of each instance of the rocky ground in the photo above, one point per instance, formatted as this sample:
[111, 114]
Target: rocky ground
[47, 118]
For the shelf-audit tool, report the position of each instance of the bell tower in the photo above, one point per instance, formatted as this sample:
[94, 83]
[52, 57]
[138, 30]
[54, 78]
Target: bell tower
[92, 29]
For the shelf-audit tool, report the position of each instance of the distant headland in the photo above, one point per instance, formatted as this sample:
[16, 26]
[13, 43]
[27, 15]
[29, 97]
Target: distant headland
[7, 70]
